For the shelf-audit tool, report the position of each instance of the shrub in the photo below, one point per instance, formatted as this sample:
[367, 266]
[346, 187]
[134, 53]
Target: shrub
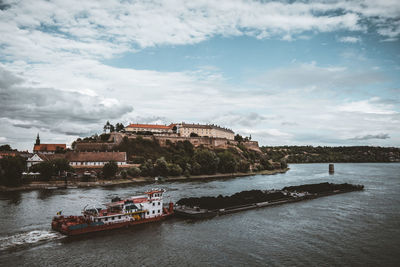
[11, 169]
[243, 166]
[161, 167]
[196, 168]
[134, 171]
[147, 168]
[174, 170]
[110, 169]
[208, 161]
[227, 162]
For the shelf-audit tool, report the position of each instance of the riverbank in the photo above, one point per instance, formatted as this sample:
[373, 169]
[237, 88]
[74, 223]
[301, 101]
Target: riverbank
[138, 180]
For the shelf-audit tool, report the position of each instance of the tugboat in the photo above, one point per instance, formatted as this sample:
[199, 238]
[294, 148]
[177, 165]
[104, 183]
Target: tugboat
[116, 214]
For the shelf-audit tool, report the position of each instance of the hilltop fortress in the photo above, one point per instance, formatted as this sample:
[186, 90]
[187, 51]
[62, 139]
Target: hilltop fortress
[183, 130]
[207, 135]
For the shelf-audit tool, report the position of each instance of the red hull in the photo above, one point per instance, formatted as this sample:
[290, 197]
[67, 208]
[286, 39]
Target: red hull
[90, 229]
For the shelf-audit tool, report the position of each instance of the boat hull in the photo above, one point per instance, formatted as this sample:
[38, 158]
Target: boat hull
[104, 227]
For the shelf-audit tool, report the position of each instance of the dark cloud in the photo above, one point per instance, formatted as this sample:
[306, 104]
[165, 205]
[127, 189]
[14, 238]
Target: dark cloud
[371, 136]
[4, 6]
[53, 109]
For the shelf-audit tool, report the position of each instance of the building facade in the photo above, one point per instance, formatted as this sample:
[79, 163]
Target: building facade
[80, 158]
[95, 158]
[154, 128]
[184, 130]
[209, 130]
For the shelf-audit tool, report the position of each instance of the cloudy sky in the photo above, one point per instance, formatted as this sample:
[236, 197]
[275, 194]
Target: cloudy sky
[286, 72]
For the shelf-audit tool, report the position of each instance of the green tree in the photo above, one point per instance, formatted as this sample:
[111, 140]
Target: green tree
[45, 168]
[124, 174]
[11, 169]
[147, 168]
[227, 162]
[110, 169]
[265, 164]
[207, 159]
[174, 169]
[196, 168]
[134, 171]
[119, 127]
[238, 138]
[61, 165]
[5, 148]
[161, 167]
[243, 166]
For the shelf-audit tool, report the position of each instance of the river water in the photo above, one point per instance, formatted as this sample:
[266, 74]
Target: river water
[357, 228]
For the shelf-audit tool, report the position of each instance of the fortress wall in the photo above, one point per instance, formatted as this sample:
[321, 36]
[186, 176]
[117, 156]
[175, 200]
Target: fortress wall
[94, 146]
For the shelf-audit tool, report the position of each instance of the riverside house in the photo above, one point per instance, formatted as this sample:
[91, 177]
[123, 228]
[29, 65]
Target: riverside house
[81, 159]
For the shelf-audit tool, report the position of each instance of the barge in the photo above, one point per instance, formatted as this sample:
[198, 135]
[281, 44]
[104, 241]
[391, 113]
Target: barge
[208, 207]
[116, 214]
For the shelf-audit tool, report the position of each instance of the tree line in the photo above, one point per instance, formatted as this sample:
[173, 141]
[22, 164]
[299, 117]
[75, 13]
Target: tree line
[322, 154]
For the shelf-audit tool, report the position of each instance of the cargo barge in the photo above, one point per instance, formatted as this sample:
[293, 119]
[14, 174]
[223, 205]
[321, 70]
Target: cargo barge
[208, 207]
[116, 214]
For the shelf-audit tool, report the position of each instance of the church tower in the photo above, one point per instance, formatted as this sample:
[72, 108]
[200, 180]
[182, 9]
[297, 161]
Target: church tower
[37, 140]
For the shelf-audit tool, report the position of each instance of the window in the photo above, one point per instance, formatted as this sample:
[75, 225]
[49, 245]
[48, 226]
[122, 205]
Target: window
[154, 204]
[153, 211]
[113, 218]
[147, 213]
[119, 217]
[158, 203]
[106, 219]
[158, 211]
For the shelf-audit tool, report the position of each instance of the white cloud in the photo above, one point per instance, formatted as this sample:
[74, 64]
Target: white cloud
[310, 77]
[371, 106]
[349, 39]
[50, 30]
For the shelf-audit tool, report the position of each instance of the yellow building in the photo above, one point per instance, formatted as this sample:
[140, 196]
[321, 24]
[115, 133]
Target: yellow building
[154, 128]
[183, 129]
[210, 130]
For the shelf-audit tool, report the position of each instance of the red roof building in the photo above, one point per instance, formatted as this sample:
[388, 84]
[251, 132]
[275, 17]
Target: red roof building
[48, 148]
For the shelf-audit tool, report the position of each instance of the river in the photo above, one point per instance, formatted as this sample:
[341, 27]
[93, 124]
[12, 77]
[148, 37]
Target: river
[357, 228]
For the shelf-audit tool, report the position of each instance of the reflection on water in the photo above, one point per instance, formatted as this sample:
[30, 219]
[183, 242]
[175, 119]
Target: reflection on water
[12, 198]
[358, 228]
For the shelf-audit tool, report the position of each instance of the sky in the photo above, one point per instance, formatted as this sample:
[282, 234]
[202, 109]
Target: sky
[285, 72]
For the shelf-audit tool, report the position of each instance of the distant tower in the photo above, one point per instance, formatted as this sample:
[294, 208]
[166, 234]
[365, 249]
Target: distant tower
[37, 140]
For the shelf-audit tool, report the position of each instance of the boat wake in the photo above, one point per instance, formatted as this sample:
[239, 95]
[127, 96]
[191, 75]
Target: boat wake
[28, 238]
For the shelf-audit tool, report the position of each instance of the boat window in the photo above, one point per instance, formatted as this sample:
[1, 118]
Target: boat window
[153, 211]
[119, 217]
[147, 213]
[113, 218]
[106, 219]
[154, 204]
[158, 211]
[158, 203]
